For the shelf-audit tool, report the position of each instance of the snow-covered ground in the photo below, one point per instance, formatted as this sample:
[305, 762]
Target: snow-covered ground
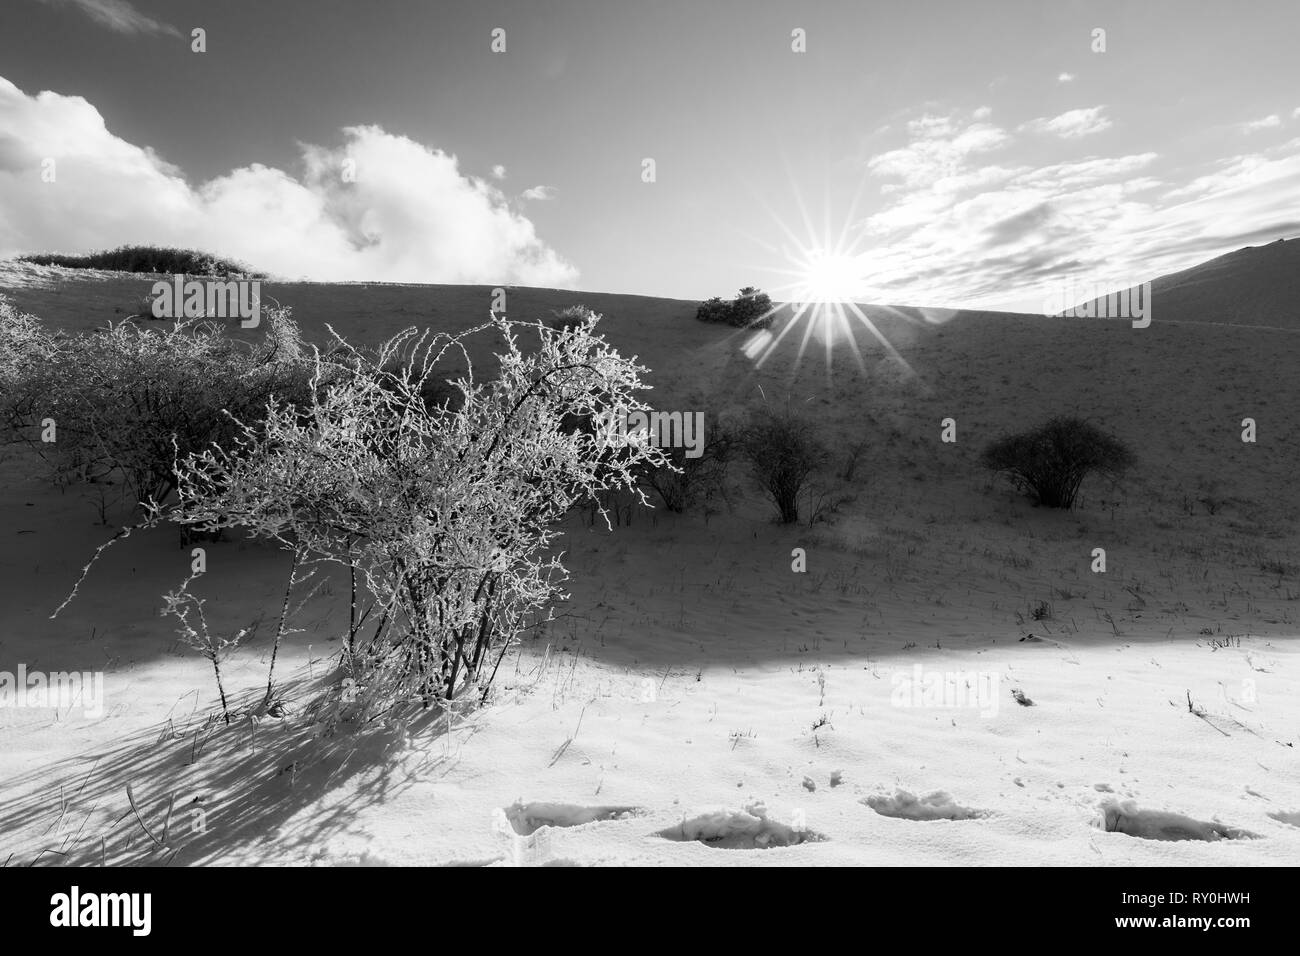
[697, 701]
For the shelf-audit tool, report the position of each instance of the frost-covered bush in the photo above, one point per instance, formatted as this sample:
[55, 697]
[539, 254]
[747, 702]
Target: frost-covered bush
[443, 515]
[23, 343]
[114, 405]
[570, 317]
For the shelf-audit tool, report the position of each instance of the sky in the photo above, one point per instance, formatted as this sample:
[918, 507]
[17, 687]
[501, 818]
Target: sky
[952, 154]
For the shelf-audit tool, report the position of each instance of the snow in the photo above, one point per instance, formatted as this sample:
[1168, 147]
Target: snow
[1124, 816]
[694, 686]
[748, 829]
[526, 819]
[908, 806]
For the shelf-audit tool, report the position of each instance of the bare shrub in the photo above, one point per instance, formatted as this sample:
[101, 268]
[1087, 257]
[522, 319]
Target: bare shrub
[1050, 462]
[685, 483]
[852, 456]
[783, 452]
[826, 495]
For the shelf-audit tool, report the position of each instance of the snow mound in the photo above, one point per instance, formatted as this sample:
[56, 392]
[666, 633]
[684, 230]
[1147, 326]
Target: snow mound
[1125, 817]
[339, 857]
[527, 818]
[935, 806]
[747, 829]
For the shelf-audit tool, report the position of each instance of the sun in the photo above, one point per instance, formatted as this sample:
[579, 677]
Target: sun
[828, 274]
[830, 277]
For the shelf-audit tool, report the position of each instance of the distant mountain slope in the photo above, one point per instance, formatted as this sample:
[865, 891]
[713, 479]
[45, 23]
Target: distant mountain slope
[1254, 286]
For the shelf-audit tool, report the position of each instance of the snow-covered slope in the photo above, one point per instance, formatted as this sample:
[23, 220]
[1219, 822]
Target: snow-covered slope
[697, 701]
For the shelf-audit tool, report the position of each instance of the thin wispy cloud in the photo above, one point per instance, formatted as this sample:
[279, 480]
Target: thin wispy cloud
[117, 15]
[939, 148]
[1065, 78]
[1073, 124]
[539, 193]
[1267, 122]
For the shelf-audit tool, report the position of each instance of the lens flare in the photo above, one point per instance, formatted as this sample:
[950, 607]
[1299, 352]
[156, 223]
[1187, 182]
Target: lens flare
[828, 276]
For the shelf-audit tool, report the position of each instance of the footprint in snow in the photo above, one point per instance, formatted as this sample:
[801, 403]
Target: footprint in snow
[1125, 817]
[747, 829]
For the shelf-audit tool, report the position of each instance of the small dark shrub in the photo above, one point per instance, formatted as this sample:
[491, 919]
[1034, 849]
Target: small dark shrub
[1050, 462]
[160, 259]
[852, 457]
[714, 310]
[783, 452]
[701, 481]
[750, 309]
[827, 496]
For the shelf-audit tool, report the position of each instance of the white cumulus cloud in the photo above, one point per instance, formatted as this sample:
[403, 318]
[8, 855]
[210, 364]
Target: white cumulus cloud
[379, 207]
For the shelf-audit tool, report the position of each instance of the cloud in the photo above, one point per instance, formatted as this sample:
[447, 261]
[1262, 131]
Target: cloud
[378, 207]
[1020, 224]
[969, 228]
[1267, 122]
[498, 171]
[118, 15]
[539, 192]
[939, 146]
[1213, 243]
[1072, 124]
[1065, 78]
